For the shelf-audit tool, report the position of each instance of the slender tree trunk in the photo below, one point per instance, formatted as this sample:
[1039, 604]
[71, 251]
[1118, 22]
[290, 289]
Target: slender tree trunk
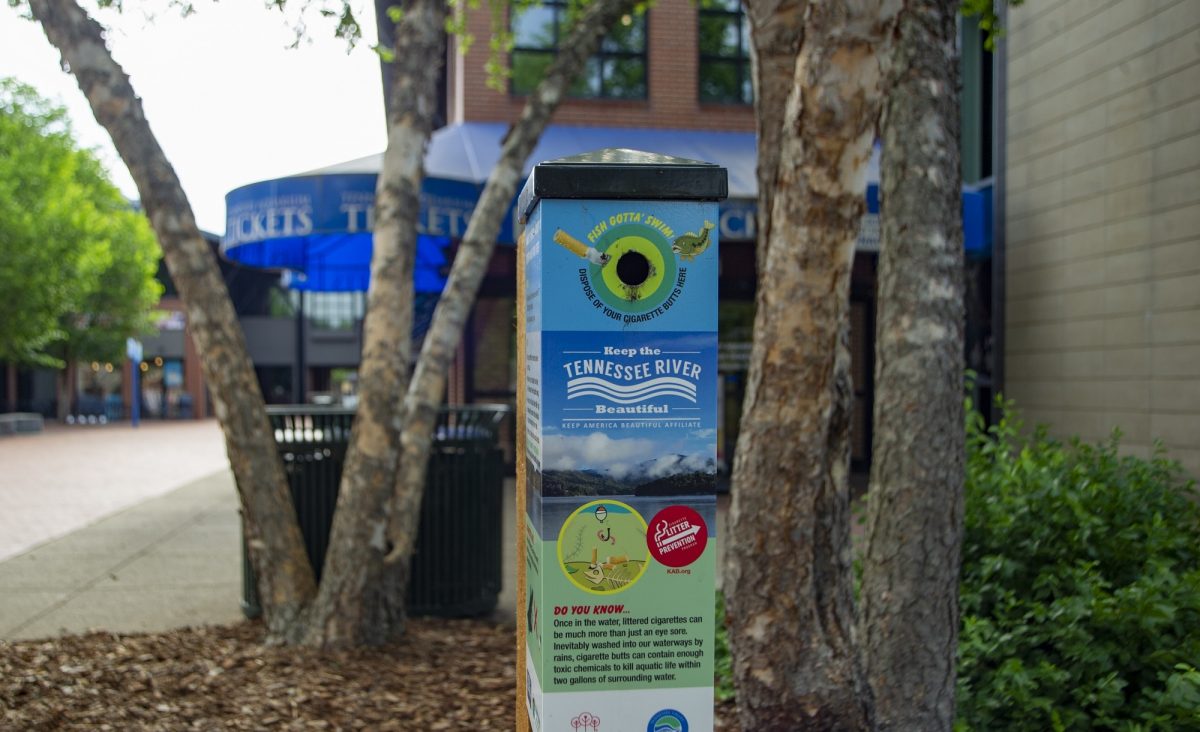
[776, 30]
[470, 264]
[789, 580]
[361, 599]
[285, 580]
[909, 617]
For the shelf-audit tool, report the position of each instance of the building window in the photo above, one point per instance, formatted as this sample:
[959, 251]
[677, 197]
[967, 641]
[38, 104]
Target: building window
[976, 101]
[724, 53]
[616, 71]
[333, 311]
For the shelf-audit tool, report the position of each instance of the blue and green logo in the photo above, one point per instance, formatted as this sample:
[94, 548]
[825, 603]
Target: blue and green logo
[668, 720]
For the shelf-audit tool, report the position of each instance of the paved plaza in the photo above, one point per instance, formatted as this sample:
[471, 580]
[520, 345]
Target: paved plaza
[115, 528]
[111, 528]
[68, 477]
[167, 562]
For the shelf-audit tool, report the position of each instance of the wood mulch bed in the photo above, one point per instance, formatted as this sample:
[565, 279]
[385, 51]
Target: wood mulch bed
[443, 675]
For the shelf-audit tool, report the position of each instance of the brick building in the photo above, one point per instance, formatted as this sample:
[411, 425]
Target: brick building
[682, 69]
[667, 43]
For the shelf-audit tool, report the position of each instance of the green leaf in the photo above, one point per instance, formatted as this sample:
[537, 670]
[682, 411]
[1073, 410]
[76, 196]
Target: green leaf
[387, 55]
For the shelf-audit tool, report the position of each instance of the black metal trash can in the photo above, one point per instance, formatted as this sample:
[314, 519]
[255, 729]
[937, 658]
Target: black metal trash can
[456, 564]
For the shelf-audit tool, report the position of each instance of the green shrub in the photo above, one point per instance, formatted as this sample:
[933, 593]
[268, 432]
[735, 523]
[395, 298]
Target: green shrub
[723, 662]
[1080, 590]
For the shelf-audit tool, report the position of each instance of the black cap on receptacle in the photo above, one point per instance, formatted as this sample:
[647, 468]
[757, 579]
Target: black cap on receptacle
[615, 173]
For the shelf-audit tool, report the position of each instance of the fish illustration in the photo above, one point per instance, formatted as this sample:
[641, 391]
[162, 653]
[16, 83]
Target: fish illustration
[691, 245]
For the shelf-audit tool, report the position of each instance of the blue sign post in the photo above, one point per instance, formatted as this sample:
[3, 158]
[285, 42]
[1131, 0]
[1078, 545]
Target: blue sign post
[619, 326]
[133, 351]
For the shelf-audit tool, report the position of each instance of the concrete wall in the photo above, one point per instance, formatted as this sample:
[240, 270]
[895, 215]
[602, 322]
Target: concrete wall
[1103, 301]
[271, 341]
[165, 343]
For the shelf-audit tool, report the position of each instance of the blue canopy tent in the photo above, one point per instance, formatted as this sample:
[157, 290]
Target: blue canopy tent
[316, 225]
[342, 263]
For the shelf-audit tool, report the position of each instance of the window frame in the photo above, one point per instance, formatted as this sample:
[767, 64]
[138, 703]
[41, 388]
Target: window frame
[333, 312]
[741, 62]
[601, 56]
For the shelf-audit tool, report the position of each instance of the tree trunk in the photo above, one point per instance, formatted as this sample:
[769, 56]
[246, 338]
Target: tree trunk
[361, 599]
[909, 618]
[470, 264]
[789, 582]
[285, 580]
[776, 30]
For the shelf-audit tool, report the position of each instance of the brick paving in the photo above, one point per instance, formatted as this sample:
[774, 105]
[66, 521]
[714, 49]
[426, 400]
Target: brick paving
[68, 477]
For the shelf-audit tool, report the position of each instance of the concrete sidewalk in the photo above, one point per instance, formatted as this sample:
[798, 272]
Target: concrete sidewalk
[117, 529]
[167, 562]
[67, 478]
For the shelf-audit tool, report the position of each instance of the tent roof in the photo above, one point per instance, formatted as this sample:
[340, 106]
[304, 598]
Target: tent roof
[468, 151]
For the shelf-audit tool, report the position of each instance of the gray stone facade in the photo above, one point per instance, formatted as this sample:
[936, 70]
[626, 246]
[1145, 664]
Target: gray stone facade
[1103, 220]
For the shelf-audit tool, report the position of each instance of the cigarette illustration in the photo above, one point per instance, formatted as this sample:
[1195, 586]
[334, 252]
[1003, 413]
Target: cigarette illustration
[612, 561]
[581, 250]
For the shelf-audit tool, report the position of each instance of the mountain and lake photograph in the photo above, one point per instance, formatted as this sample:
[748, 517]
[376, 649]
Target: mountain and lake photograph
[669, 475]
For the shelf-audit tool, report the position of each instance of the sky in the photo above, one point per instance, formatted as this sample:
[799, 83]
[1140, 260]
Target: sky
[228, 101]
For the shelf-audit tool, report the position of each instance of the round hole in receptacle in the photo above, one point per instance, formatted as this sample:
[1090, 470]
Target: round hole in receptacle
[633, 269]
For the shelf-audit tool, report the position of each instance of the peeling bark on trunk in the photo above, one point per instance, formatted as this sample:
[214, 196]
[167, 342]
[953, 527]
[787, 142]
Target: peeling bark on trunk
[285, 580]
[776, 30]
[361, 599]
[474, 254]
[789, 582]
[909, 619]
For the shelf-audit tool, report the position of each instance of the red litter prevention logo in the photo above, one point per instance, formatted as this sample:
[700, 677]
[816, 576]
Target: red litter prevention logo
[677, 536]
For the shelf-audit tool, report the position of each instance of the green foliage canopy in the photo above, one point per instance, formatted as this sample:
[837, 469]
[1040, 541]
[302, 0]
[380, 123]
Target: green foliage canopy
[77, 262]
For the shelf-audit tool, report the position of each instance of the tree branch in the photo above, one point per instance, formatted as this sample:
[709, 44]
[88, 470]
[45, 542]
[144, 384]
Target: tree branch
[285, 579]
[474, 254]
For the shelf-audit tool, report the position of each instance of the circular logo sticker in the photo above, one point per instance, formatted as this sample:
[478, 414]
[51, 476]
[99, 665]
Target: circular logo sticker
[668, 720]
[639, 269]
[677, 536]
[602, 547]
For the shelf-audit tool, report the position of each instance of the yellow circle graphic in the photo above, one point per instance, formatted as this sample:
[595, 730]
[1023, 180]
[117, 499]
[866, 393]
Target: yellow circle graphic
[602, 547]
[628, 249]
